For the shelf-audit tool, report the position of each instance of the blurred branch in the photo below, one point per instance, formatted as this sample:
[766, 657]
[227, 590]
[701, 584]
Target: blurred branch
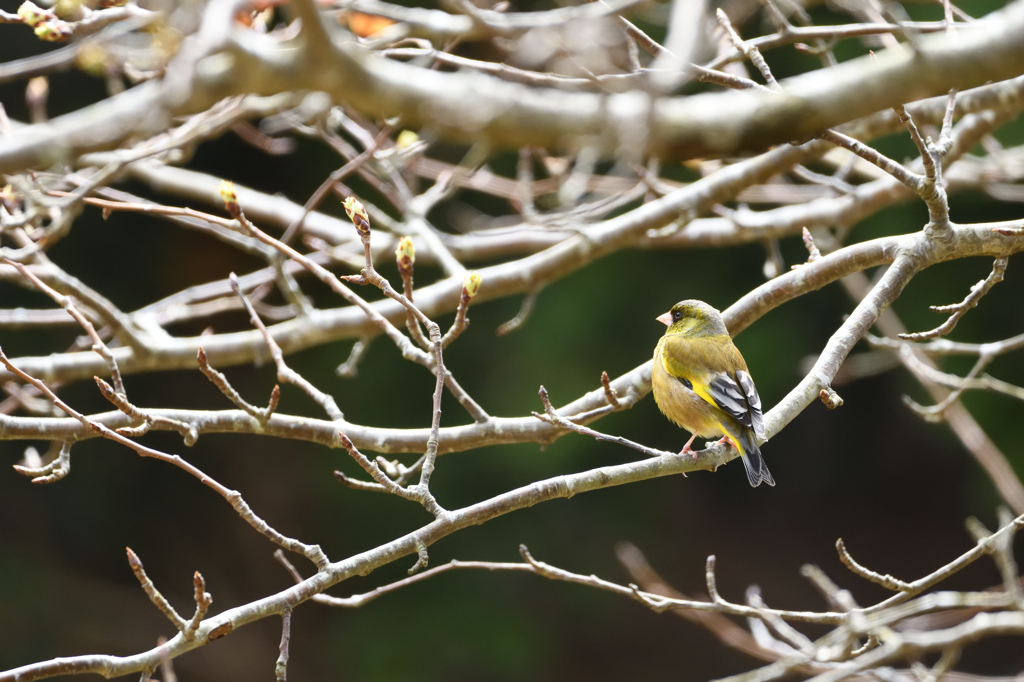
[331, 574]
[967, 429]
[968, 241]
[222, 66]
[443, 26]
[709, 124]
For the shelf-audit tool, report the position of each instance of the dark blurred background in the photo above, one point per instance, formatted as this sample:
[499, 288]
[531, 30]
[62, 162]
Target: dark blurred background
[896, 489]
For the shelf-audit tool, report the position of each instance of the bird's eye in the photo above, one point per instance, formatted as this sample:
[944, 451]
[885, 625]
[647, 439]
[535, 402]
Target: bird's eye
[677, 315]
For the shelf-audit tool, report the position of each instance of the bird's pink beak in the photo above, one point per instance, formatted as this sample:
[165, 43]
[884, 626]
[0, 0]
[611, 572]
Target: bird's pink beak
[665, 319]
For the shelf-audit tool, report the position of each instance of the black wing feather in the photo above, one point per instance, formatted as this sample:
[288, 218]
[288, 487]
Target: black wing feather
[738, 397]
[754, 400]
[731, 398]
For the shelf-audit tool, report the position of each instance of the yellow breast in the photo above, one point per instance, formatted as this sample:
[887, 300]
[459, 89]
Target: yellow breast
[681, 405]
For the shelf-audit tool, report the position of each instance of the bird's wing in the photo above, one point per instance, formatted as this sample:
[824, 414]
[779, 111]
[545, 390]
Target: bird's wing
[717, 373]
[754, 401]
[738, 398]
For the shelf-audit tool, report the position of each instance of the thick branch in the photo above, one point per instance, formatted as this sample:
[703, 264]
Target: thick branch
[509, 115]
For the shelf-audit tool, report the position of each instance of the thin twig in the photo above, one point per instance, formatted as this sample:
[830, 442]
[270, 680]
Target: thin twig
[189, 434]
[56, 470]
[958, 310]
[281, 666]
[68, 303]
[203, 601]
[405, 258]
[369, 275]
[609, 392]
[334, 178]
[551, 415]
[750, 51]
[886, 581]
[350, 367]
[221, 382]
[154, 595]
[524, 313]
[286, 374]
[233, 497]
[416, 493]
[897, 170]
[470, 287]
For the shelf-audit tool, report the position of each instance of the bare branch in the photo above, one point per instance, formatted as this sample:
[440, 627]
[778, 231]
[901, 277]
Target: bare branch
[221, 382]
[154, 595]
[596, 131]
[958, 310]
[886, 581]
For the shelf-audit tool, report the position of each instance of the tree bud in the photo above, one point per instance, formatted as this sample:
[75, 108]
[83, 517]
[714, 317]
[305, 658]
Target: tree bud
[471, 284]
[406, 139]
[53, 31]
[405, 254]
[357, 214]
[228, 196]
[32, 14]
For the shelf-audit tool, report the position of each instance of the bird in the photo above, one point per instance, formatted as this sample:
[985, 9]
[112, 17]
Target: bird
[701, 383]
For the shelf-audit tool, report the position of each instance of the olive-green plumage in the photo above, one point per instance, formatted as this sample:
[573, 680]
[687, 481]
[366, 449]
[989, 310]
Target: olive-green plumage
[702, 384]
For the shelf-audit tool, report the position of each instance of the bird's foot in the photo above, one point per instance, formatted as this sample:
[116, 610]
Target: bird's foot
[686, 448]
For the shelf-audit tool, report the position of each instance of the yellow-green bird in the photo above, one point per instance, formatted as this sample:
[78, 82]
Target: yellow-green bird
[701, 383]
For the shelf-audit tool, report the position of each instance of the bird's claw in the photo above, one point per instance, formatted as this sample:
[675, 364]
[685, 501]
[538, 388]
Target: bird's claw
[687, 450]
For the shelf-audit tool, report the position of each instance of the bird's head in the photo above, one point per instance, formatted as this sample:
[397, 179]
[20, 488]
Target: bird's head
[693, 318]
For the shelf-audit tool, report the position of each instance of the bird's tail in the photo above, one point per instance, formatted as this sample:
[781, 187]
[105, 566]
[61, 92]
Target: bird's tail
[746, 443]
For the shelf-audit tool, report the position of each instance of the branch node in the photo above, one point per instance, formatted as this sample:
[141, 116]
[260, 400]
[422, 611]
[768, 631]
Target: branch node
[470, 288]
[610, 394]
[262, 415]
[421, 556]
[203, 601]
[813, 252]
[830, 398]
